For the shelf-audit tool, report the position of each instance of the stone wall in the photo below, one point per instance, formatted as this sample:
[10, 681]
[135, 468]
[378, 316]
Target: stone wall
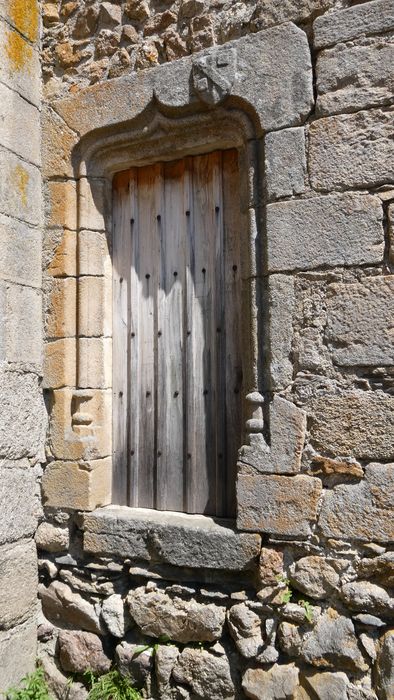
[298, 602]
[22, 415]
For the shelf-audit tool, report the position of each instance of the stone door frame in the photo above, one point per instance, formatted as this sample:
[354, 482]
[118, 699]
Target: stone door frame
[226, 97]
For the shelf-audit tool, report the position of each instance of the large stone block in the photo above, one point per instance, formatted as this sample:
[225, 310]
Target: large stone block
[18, 651]
[279, 505]
[61, 315]
[15, 112]
[20, 252]
[22, 417]
[94, 256]
[20, 64]
[60, 363]
[95, 363]
[58, 142]
[23, 326]
[61, 204]
[62, 246]
[356, 423]
[335, 230]
[355, 76]
[366, 18]
[363, 511]
[285, 163]
[20, 188]
[360, 322]
[287, 426]
[19, 502]
[192, 541]
[352, 150]
[95, 304]
[278, 341]
[78, 486]
[24, 16]
[18, 583]
[79, 423]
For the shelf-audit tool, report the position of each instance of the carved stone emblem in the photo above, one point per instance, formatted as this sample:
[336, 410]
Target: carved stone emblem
[214, 74]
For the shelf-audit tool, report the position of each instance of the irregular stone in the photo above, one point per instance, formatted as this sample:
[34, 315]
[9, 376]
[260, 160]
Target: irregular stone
[51, 538]
[355, 76]
[137, 10]
[177, 539]
[327, 466]
[270, 566]
[59, 684]
[158, 615]
[18, 583]
[314, 576]
[281, 505]
[285, 163]
[298, 11]
[245, 629]
[110, 15]
[351, 150]
[369, 18]
[368, 620]
[86, 22]
[380, 569]
[332, 643]
[115, 616]
[278, 683]
[355, 423]
[287, 431]
[63, 607]
[360, 322]
[134, 662]
[19, 502]
[293, 613]
[368, 644]
[384, 667]
[208, 675]
[327, 686]
[362, 511]
[281, 302]
[368, 597]
[340, 229]
[80, 651]
[165, 659]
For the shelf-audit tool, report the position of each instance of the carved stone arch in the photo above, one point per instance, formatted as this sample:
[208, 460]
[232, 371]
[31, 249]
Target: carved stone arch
[225, 97]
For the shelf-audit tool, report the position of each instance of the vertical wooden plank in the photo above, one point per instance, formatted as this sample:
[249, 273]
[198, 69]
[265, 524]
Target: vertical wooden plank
[133, 334]
[170, 432]
[233, 223]
[149, 189]
[201, 361]
[121, 270]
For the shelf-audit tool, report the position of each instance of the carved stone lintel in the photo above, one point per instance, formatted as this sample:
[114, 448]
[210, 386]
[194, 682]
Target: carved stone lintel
[214, 74]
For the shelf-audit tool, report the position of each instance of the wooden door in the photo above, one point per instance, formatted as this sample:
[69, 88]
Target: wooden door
[177, 361]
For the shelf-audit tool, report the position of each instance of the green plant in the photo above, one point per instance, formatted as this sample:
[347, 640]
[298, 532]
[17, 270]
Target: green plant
[32, 687]
[110, 686]
[287, 593]
[153, 646]
[308, 610]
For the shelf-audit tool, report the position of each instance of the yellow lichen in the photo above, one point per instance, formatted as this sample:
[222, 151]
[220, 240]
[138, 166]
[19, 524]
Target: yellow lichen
[20, 180]
[19, 52]
[24, 16]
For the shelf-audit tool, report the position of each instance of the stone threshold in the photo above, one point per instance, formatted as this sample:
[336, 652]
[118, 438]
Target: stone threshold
[166, 537]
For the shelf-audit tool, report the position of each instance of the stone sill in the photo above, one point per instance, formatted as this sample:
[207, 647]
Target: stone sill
[164, 537]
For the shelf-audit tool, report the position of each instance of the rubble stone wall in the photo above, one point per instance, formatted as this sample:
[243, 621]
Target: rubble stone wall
[22, 414]
[295, 600]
